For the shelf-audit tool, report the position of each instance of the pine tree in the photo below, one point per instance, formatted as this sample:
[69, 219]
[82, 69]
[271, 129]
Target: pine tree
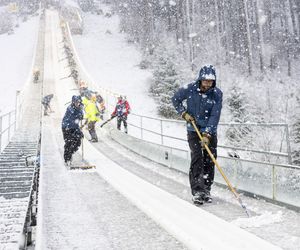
[166, 107]
[237, 104]
[167, 77]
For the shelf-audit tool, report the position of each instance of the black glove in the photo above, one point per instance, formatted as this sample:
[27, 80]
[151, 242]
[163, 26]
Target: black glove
[205, 139]
[186, 116]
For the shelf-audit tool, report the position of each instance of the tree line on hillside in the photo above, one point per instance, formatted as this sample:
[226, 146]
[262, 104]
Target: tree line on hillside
[254, 45]
[251, 34]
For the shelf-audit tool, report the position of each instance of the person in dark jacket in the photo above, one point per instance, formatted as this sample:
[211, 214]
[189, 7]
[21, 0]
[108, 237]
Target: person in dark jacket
[71, 129]
[46, 103]
[203, 105]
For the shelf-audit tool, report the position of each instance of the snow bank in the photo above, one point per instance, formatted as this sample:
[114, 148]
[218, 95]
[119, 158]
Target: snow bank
[17, 52]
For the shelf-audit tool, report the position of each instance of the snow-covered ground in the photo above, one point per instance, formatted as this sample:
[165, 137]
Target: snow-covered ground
[113, 63]
[264, 219]
[134, 188]
[17, 52]
[194, 227]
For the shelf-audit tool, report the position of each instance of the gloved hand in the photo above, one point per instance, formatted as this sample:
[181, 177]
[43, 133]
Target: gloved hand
[112, 116]
[186, 116]
[205, 139]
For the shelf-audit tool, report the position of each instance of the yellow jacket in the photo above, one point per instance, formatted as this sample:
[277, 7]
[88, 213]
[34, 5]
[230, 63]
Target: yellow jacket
[91, 111]
[85, 101]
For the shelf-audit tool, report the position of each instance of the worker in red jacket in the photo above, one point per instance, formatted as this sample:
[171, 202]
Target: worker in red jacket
[121, 111]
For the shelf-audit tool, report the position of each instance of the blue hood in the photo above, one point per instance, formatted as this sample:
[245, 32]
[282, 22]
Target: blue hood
[207, 72]
[76, 98]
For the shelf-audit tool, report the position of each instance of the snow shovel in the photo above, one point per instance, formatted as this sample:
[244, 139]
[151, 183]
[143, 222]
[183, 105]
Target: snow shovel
[107, 121]
[83, 167]
[220, 170]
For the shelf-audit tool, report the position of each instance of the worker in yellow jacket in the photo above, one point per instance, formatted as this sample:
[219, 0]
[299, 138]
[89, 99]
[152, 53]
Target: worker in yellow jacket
[91, 116]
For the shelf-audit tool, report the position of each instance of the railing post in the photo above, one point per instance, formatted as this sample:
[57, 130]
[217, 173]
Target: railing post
[171, 158]
[274, 182]
[16, 108]
[9, 125]
[161, 133]
[141, 127]
[0, 133]
[15, 124]
[288, 143]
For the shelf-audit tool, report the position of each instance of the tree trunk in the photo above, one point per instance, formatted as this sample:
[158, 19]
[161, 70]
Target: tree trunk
[288, 42]
[259, 36]
[218, 42]
[249, 44]
[292, 8]
[188, 25]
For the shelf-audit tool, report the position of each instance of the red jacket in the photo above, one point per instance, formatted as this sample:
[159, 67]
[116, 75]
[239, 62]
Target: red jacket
[122, 108]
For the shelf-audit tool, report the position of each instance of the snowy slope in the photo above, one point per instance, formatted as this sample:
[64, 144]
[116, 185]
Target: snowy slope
[113, 63]
[17, 51]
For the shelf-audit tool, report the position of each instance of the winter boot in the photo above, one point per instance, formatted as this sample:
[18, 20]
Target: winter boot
[67, 163]
[198, 198]
[207, 197]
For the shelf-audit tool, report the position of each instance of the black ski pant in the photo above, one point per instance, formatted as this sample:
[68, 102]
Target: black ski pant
[202, 168]
[121, 119]
[92, 130]
[72, 138]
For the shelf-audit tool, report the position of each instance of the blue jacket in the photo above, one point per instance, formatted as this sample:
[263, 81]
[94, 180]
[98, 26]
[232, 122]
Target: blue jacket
[204, 107]
[47, 99]
[72, 116]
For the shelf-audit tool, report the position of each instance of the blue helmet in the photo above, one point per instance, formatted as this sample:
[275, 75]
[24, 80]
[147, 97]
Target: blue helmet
[76, 98]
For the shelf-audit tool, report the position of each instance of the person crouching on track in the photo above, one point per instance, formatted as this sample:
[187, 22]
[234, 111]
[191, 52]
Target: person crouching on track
[71, 130]
[92, 116]
[122, 110]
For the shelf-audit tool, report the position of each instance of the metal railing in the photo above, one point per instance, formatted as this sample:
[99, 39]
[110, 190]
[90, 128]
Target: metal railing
[7, 127]
[277, 182]
[172, 133]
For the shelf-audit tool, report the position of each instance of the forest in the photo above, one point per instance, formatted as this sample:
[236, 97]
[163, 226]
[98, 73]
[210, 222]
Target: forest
[253, 44]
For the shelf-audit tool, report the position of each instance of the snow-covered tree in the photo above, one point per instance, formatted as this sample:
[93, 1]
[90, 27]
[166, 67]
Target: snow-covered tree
[239, 111]
[167, 78]
[256, 40]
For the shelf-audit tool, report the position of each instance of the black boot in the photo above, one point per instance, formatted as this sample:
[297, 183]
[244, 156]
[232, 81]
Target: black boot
[207, 197]
[198, 198]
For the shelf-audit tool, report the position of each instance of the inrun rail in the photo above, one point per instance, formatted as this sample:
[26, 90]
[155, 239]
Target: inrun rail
[18, 192]
[19, 161]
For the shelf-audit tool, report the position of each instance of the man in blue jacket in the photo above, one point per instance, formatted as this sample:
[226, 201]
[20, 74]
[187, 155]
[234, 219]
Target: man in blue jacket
[71, 130]
[203, 105]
